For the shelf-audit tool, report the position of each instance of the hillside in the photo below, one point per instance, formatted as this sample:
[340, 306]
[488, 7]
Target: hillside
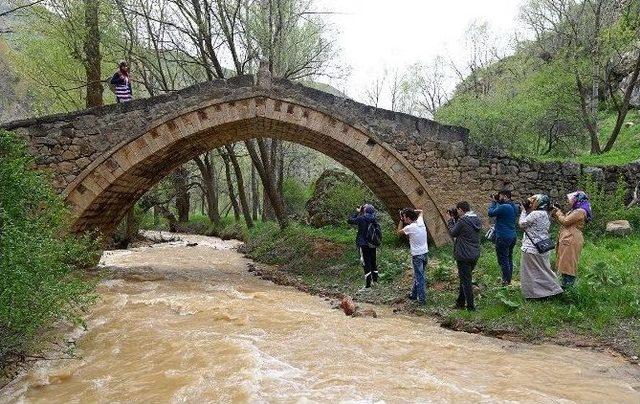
[530, 103]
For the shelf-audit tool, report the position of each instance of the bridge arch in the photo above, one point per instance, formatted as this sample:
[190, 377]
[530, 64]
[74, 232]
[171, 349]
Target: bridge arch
[101, 194]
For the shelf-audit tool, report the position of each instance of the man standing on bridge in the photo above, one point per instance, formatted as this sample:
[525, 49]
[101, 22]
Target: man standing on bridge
[120, 83]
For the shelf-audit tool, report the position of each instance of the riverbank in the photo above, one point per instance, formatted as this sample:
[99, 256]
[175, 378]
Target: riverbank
[600, 313]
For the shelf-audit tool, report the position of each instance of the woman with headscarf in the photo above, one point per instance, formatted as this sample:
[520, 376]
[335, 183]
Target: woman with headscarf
[570, 239]
[537, 279]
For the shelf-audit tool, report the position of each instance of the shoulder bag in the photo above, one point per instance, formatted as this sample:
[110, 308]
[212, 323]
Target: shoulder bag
[544, 245]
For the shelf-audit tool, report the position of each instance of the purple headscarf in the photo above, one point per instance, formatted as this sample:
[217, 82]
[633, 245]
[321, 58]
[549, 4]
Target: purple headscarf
[580, 200]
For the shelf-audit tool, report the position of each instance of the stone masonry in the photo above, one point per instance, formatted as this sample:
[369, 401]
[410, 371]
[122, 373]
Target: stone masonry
[103, 159]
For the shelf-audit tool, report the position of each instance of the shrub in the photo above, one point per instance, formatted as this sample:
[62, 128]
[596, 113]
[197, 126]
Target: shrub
[607, 205]
[39, 258]
[295, 195]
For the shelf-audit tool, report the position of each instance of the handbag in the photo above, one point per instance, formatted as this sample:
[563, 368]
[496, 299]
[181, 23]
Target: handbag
[544, 245]
[491, 234]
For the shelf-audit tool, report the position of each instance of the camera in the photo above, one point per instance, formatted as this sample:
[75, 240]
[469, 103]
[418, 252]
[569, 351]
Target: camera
[526, 204]
[495, 197]
[453, 213]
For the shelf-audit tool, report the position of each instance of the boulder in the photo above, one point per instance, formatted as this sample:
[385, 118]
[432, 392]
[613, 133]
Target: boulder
[348, 306]
[321, 208]
[618, 227]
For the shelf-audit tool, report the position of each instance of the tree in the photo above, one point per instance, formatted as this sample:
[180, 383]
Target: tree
[576, 31]
[92, 53]
[425, 88]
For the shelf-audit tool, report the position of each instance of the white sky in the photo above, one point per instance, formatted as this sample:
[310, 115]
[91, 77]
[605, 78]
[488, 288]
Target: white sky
[378, 34]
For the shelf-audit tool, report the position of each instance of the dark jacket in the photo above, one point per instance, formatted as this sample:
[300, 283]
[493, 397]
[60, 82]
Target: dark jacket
[362, 221]
[467, 237]
[505, 214]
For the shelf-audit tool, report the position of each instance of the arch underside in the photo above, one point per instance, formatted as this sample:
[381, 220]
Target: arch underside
[102, 197]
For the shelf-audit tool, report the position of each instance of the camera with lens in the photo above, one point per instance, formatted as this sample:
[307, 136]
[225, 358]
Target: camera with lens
[526, 204]
[453, 212]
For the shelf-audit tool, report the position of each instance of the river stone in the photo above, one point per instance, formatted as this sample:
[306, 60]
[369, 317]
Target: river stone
[348, 306]
[618, 227]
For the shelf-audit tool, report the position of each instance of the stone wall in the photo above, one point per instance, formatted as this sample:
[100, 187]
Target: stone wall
[458, 171]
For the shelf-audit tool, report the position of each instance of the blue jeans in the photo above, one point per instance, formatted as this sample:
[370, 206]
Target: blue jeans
[419, 263]
[504, 251]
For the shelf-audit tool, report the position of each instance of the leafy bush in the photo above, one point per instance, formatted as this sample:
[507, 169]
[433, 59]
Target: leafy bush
[39, 258]
[342, 199]
[607, 205]
[295, 195]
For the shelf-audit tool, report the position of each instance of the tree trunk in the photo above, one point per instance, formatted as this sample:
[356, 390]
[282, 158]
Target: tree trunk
[232, 194]
[587, 117]
[166, 213]
[181, 184]
[246, 212]
[210, 186]
[92, 53]
[624, 107]
[255, 201]
[130, 228]
[266, 173]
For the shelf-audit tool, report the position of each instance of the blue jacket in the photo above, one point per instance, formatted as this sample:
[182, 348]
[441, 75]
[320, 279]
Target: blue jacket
[362, 221]
[505, 214]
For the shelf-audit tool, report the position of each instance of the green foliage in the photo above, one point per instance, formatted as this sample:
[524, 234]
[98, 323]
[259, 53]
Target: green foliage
[608, 205]
[341, 200]
[532, 111]
[530, 102]
[40, 283]
[296, 195]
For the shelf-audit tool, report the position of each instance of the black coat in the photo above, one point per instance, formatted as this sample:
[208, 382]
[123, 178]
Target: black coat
[362, 221]
[466, 232]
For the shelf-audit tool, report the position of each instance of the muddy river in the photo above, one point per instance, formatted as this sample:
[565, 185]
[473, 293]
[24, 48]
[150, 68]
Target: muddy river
[190, 324]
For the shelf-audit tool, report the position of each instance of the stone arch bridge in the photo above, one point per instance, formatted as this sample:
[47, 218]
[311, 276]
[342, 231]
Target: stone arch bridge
[103, 159]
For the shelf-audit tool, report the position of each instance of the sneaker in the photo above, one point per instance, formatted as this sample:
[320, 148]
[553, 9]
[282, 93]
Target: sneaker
[364, 289]
[410, 297]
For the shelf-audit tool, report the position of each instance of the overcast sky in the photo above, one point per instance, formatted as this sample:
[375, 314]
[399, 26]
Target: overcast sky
[392, 34]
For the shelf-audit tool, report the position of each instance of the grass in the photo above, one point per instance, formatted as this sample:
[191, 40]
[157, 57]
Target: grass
[604, 305]
[625, 150]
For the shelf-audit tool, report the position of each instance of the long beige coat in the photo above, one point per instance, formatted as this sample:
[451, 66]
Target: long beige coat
[570, 240]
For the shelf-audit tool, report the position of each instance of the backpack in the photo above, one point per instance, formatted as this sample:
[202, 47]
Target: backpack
[374, 235]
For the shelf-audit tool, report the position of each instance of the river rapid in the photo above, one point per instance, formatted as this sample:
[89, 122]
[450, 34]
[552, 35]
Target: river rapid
[182, 323]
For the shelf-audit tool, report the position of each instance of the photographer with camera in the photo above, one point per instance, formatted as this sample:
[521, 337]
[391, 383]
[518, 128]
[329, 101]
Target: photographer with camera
[412, 225]
[570, 239]
[464, 225]
[506, 213]
[368, 239]
[537, 280]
